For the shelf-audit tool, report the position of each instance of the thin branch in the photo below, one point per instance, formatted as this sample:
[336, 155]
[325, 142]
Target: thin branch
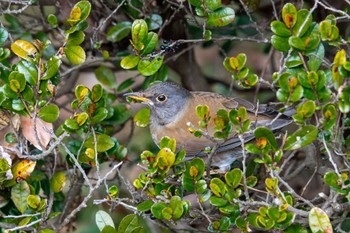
[94, 35]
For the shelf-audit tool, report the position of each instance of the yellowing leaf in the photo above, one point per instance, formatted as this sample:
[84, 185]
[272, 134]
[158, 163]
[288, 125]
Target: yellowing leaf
[75, 15]
[23, 169]
[58, 181]
[19, 195]
[319, 221]
[23, 49]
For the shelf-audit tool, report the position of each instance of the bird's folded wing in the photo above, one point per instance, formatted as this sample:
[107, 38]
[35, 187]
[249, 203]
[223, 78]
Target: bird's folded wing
[233, 142]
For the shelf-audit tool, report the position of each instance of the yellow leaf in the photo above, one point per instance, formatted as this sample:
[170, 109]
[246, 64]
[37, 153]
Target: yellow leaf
[340, 58]
[23, 49]
[23, 169]
[75, 14]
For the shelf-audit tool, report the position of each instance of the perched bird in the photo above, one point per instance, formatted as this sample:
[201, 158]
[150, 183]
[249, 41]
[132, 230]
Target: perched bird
[172, 107]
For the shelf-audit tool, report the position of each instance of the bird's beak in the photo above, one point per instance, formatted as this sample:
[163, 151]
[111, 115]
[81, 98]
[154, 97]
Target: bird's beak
[138, 97]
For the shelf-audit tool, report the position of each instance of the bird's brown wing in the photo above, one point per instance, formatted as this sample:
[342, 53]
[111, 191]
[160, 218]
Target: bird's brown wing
[261, 116]
[236, 102]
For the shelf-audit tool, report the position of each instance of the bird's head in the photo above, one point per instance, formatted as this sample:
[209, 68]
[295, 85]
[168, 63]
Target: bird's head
[166, 100]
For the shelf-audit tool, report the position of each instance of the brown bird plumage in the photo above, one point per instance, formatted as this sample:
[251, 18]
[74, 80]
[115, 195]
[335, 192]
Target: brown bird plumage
[173, 107]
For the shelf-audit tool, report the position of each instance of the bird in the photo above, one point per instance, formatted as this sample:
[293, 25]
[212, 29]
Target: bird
[173, 109]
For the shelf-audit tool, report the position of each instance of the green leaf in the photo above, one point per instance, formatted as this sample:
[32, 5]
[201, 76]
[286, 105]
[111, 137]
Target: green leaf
[150, 43]
[75, 54]
[297, 43]
[3, 35]
[103, 141]
[4, 53]
[29, 71]
[119, 31]
[207, 35]
[242, 224]
[139, 31]
[154, 22]
[76, 38]
[280, 29]
[149, 67]
[280, 43]
[99, 115]
[108, 229]
[106, 76]
[71, 124]
[119, 115]
[142, 117]
[201, 186]
[302, 137]
[307, 109]
[266, 133]
[225, 223]
[252, 181]
[157, 210]
[145, 206]
[316, 58]
[294, 61]
[58, 182]
[202, 111]
[167, 142]
[46, 231]
[4, 165]
[17, 105]
[103, 219]
[319, 221]
[53, 65]
[52, 20]
[196, 3]
[167, 213]
[125, 84]
[295, 228]
[233, 177]
[19, 195]
[10, 137]
[218, 201]
[188, 183]
[96, 93]
[302, 20]
[49, 113]
[221, 17]
[33, 201]
[177, 207]
[129, 62]
[334, 181]
[229, 209]
[330, 112]
[199, 164]
[297, 93]
[113, 191]
[212, 4]
[9, 93]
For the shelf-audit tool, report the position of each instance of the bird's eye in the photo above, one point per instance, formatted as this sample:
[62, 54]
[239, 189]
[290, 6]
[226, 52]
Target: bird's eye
[161, 98]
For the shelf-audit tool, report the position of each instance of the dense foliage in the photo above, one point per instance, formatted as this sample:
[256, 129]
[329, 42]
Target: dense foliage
[57, 134]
